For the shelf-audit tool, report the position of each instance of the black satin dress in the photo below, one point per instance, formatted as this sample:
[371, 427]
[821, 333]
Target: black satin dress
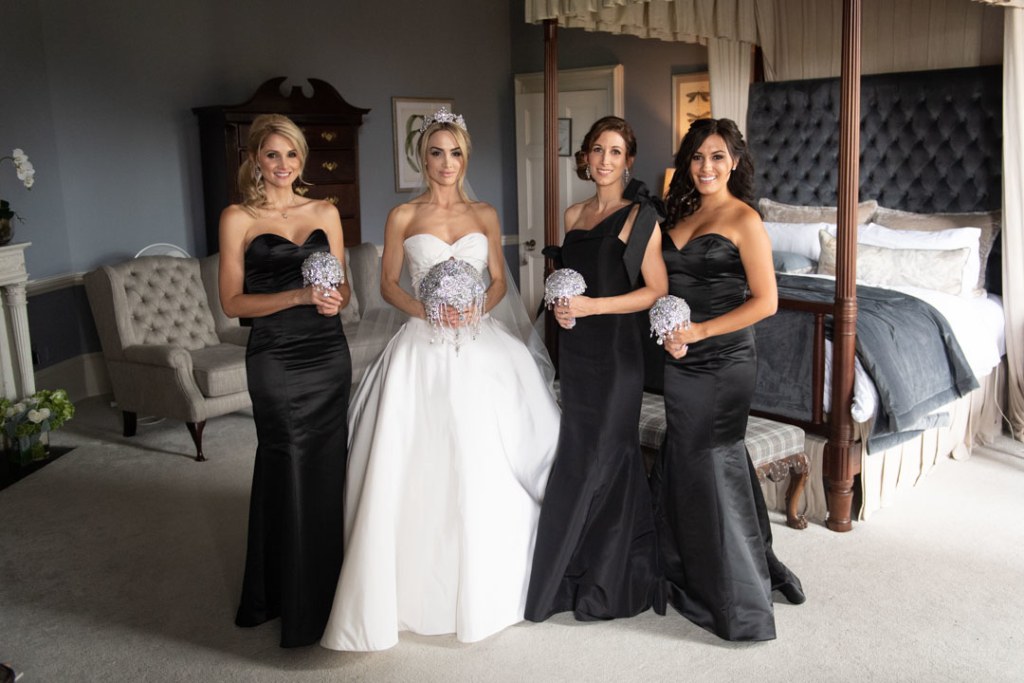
[299, 373]
[595, 554]
[714, 537]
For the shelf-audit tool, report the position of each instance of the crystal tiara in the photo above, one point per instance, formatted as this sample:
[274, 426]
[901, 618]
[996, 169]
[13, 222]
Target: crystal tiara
[442, 115]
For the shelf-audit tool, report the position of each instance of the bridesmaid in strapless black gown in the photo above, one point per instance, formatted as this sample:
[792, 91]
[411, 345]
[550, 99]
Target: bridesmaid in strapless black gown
[714, 537]
[595, 554]
[299, 374]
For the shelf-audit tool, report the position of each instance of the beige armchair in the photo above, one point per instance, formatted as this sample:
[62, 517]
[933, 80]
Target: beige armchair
[170, 350]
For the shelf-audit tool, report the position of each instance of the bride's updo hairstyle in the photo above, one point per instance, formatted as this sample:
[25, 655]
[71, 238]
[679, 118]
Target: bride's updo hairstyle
[251, 184]
[683, 198]
[612, 123]
[461, 136]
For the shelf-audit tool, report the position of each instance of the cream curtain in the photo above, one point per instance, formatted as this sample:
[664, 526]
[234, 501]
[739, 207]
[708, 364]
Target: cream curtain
[803, 40]
[690, 21]
[729, 65]
[1013, 211]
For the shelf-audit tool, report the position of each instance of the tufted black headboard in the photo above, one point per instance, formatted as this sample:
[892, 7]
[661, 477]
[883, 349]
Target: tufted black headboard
[930, 141]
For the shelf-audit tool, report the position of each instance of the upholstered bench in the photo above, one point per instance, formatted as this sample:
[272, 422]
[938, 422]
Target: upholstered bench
[776, 450]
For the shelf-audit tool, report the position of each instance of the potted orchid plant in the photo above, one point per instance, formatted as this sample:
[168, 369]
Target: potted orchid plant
[26, 174]
[24, 422]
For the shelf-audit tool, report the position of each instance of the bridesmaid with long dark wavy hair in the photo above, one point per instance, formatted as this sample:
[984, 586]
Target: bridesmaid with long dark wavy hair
[715, 542]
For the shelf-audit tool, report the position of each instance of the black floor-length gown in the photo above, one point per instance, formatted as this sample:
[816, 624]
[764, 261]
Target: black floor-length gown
[299, 374]
[714, 538]
[595, 554]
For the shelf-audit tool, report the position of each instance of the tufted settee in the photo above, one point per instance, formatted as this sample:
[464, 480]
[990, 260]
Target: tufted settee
[172, 352]
[169, 349]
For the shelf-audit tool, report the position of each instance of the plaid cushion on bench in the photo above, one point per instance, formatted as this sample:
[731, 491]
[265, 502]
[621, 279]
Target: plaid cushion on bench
[767, 440]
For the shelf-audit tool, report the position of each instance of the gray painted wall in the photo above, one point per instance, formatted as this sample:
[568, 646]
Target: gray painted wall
[649, 65]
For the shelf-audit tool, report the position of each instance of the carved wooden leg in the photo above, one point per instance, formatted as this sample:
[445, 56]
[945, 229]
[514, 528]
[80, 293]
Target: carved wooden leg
[196, 430]
[797, 479]
[839, 493]
[130, 422]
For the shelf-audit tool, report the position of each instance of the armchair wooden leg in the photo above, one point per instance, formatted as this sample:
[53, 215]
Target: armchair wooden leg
[797, 479]
[196, 430]
[130, 422]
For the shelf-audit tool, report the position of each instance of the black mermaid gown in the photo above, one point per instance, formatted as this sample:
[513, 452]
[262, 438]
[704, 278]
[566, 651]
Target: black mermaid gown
[299, 374]
[595, 554]
[714, 537]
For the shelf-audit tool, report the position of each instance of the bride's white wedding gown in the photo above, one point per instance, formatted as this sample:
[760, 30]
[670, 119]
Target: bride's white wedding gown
[448, 459]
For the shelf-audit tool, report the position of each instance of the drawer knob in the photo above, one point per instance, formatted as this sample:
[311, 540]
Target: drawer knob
[328, 135]
[332, 199]
[302, 191]
[330, 165]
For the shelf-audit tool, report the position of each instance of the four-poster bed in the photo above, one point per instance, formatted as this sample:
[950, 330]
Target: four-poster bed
[842, 455]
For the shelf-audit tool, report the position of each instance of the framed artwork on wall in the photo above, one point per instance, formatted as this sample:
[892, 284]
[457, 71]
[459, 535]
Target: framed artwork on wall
[691, 100]
[407, 117]
[565, 137]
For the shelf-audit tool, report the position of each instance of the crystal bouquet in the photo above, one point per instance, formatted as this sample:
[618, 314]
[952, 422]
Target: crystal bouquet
[562, 285]
[667, 314]
[323, 270]
[457, 285]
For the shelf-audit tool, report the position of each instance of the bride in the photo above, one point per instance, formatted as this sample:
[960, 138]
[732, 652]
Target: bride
[449, 452]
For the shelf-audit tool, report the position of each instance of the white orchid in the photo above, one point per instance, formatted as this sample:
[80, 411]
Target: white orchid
[27, 175]
[19, 155]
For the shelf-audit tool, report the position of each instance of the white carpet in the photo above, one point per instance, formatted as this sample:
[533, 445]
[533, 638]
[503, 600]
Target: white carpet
[122, 561]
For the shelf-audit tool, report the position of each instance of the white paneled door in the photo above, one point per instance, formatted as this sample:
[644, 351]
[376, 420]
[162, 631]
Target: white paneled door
[581, 107]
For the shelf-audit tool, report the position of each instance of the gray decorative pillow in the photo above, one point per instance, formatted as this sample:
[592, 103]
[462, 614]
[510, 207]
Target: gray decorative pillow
[937, 269]
[776, 212]
[350, 313]
[789, 262]
[987, 221]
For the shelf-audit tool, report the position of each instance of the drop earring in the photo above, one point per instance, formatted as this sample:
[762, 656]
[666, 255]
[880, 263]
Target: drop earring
[625, 176]
[257, 173]
[588, 171]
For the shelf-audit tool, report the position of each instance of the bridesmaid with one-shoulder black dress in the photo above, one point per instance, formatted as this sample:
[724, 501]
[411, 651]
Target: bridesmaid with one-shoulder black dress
[595, 554]
[714, 537]
[299, 374]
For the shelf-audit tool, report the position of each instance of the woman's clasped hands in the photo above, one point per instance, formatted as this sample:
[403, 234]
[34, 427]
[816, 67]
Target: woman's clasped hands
[328, 302]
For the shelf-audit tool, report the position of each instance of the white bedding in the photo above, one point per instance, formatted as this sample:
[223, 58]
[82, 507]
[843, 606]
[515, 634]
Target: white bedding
[976, 321]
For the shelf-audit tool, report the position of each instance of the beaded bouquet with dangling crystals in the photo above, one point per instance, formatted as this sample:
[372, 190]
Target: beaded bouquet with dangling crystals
[453, 284]
[562, 285]
[323, 270]
[669, 313]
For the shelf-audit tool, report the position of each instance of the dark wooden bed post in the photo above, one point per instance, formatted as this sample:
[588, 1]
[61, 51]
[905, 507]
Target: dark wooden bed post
[550, 167]
[840, 466]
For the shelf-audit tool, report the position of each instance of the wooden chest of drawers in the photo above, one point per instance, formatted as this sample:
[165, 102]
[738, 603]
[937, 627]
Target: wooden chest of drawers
[331, 126]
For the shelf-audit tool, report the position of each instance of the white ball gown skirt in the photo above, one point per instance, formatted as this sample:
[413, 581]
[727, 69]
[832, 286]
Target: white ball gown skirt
[449, 455]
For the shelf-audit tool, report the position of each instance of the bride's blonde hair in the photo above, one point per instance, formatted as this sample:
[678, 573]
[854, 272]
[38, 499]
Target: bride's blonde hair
[252, 186]
[461, 139]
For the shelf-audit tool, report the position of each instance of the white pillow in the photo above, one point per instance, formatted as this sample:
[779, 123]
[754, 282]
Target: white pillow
[941, 270]
[797, 238]
[876, 235]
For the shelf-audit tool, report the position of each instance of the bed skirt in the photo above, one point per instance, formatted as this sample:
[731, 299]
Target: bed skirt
[975, 418]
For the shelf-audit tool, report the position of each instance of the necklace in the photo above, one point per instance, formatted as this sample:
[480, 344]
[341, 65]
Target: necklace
[284, 214]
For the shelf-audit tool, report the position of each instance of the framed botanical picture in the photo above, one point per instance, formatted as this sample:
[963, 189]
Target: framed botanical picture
[407, 116]
[691, 100]
[565, 137]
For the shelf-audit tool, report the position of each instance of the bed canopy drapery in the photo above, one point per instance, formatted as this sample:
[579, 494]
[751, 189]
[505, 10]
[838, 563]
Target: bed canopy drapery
[726, 26]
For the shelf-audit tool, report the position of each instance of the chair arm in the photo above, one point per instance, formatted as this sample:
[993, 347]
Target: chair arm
[234, 335]
[162, 355]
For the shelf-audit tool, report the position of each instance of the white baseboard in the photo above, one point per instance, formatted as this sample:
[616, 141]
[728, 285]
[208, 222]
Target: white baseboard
[82, 376]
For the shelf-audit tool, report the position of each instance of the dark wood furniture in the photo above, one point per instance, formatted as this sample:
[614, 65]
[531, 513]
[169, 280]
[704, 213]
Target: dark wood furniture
[331, 126]
[926, 142]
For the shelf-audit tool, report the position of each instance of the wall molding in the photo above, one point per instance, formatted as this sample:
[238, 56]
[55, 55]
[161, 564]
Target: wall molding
[53, 283]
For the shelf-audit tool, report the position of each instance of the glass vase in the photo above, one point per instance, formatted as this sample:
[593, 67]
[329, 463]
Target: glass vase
[24, 450]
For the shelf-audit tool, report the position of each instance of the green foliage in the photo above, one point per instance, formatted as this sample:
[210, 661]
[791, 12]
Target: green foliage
[41, 412]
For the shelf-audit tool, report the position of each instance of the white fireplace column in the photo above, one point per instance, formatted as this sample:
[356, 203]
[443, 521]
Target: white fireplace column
[18, 378]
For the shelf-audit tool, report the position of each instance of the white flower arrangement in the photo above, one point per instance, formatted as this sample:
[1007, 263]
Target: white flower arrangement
[26, 174]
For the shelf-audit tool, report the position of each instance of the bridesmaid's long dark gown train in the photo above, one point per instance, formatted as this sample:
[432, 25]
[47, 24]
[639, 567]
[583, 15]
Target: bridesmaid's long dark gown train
[714, 539]
[299, 374]
[595, 554]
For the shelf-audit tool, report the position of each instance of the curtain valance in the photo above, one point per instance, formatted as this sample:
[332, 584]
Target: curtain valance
[691, 21]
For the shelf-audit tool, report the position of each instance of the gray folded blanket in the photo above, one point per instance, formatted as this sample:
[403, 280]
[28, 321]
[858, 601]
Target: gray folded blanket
[905, 345]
